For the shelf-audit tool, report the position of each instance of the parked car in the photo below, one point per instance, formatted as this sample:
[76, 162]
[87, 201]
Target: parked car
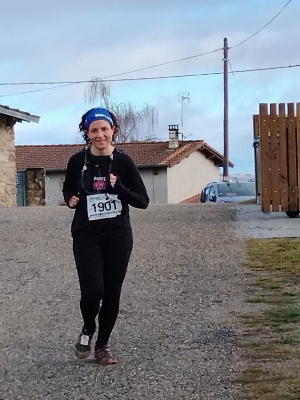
[228, 192]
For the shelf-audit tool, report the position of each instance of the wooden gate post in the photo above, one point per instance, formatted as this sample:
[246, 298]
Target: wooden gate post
[265, 156]
[257, 161]
[292, 163]
[284, 200]
[279, 140]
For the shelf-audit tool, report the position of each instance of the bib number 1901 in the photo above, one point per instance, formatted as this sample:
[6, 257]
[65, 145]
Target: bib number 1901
[106, 206]
[102, 206]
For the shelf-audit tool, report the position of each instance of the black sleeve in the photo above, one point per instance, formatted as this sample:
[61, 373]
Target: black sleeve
[131, 188]
[70, 184]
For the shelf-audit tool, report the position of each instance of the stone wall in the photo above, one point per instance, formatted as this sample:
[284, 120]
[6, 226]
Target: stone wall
[35, 187]
[8, 170]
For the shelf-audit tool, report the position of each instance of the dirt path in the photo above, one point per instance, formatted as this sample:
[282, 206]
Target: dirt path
[177, 326]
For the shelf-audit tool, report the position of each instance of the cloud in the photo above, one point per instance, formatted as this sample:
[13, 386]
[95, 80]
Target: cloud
[74, 40]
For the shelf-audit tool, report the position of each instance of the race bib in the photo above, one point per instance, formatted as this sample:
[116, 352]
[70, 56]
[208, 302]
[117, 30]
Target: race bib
[103, 205]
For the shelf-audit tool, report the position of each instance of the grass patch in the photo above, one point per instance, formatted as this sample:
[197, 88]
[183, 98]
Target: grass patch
[281, 254]
[272, 337]
[284, 315]
[264, 298]
[268, 283]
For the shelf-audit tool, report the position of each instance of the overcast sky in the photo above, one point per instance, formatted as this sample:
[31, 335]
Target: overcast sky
[75, 40]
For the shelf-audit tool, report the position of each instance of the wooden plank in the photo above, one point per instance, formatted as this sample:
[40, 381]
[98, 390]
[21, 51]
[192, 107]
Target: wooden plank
[274, 158]
[257, 163]
[265, 157]
[292, 160]
[297, 132]
[283, 159]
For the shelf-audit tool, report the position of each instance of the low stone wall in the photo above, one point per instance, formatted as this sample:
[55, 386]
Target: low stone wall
[35, 187]
[8, 171]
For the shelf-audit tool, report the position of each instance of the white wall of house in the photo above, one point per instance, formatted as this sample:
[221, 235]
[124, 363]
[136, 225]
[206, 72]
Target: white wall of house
[155, 181]
[54, 184]
[190, 176]
[164, 185]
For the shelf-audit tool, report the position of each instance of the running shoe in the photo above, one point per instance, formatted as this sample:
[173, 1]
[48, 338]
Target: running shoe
[83, 345]
[103, 356]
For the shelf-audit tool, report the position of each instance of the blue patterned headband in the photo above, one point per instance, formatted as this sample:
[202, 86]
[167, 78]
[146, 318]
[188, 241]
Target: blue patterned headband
[98, 113]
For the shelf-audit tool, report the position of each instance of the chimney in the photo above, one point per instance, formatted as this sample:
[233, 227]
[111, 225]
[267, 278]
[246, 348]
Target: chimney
[173, 137]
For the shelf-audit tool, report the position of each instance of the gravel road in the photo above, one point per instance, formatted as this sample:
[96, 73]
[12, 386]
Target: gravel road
[175, 336]
[251, 222]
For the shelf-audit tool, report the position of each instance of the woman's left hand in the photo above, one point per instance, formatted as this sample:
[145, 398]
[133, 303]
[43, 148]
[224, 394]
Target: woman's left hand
[113, 179]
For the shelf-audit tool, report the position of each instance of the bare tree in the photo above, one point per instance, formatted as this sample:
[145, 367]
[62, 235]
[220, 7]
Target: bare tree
[134, 124]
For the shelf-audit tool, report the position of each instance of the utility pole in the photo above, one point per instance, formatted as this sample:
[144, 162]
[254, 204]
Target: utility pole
[225, 160]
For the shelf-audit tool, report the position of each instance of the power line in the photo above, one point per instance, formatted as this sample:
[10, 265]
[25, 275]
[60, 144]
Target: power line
[109, 76]
[106, 79]
[44, 83]
[240, 93]
[250, 37]
[140, 69]
[162, 64]
[65, 83]
[39, 90]
[197, 55]
[62, 84]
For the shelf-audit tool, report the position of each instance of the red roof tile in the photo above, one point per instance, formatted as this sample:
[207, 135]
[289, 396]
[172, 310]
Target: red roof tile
[55, 157]
[192, 199]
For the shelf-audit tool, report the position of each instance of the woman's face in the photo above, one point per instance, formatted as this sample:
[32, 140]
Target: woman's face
[101, 133]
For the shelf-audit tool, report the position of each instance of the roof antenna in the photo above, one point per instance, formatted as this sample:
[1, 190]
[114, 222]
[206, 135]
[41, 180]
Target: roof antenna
[182, 97]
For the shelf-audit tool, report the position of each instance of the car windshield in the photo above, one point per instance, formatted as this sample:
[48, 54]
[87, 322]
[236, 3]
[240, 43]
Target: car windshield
[232, 189]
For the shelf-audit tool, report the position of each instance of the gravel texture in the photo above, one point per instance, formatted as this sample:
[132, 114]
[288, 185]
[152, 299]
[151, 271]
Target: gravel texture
[177, 328]
[251, 222]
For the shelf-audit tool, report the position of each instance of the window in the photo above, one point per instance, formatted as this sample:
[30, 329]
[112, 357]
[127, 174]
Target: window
[207, 190]
[212, 194]
[232, 189]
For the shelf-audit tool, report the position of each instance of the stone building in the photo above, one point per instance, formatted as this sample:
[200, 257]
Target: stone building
[8, 170]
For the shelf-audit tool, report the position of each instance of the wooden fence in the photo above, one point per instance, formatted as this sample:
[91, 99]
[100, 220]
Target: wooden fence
[277, 156]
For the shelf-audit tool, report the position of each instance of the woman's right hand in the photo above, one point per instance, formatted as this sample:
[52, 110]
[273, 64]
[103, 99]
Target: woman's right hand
[73, 201]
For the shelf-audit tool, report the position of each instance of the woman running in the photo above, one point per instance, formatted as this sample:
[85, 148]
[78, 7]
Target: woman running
[101, 182]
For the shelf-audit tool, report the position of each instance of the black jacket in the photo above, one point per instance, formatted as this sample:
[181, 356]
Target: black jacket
[129, 187]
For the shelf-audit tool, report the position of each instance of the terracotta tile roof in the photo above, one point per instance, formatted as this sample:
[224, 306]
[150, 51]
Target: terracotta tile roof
[51, 157]
[192, 199]
[55, 157]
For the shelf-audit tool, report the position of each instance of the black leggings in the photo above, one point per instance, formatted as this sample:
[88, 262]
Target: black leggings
[101, 266]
